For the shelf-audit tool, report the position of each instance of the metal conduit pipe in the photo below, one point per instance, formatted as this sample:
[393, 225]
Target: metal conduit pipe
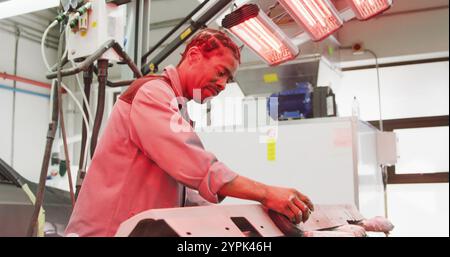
[13, 122]
[64, 61]
[102, 65]
[127, 60]
[113, 84]
[122, 83]
[95, 56]
[86, 63]
[66, 150]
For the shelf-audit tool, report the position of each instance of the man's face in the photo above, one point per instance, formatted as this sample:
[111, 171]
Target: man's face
[209, 76]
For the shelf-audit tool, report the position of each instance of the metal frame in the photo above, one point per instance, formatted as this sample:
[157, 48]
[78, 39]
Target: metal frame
[227, 220]
[420, 122]
[202, 21]
[84, 65]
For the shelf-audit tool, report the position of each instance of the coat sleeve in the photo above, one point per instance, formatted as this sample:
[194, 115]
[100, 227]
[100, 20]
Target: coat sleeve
[193, 198]
[161, 133]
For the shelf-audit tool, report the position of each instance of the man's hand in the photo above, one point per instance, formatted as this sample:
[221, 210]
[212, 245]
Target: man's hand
[293, 204]
[286, 201]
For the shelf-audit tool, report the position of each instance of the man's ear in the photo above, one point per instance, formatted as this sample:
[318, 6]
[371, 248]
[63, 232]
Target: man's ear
[194, 55]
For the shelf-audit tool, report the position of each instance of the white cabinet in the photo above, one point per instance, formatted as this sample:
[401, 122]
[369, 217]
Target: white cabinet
[332, 160]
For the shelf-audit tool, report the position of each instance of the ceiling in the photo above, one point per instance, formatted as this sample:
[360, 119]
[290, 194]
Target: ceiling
[409, 27]
[163, 20]
[400, 19]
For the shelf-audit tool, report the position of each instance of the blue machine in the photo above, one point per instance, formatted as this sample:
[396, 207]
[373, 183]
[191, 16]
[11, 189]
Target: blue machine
[292, 104]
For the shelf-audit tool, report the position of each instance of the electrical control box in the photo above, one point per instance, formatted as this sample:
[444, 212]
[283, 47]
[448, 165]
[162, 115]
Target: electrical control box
[387, 148]
[103, 22]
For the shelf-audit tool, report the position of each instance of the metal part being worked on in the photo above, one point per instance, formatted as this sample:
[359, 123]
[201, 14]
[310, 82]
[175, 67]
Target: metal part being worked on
[233, 221]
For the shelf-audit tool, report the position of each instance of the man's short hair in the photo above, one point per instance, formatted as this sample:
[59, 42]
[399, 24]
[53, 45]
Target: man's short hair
[210, 40]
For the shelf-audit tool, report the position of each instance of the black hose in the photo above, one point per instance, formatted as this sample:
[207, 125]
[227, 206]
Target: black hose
[127, 59]
[86, 63]
[102, 65]
[87, 79]
[122, 83]
[66, 150]
[48, 147]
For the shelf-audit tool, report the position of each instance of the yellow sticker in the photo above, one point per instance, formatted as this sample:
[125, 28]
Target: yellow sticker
[271, 149]
[83, 33]
[94, 24]
[271, 78]
[186, 33]
[152, 68]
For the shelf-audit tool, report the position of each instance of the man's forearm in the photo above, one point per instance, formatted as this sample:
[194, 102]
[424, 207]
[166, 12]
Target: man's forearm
[287, 201]
[245, 188]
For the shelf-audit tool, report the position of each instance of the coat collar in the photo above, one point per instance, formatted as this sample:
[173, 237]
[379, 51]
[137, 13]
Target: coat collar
[171, 73]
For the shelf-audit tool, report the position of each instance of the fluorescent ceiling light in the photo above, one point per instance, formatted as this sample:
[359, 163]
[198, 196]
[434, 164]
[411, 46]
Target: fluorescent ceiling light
[250, 24]
[318, 17]
[17, 7]
[366, 9]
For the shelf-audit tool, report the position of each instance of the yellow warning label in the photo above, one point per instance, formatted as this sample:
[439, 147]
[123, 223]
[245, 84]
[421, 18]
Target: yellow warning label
[271, 78]
[271, 149]
[185, 33]
[152, 68]
[94, 24]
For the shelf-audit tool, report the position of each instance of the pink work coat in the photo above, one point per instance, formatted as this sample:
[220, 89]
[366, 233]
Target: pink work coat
[142, 163]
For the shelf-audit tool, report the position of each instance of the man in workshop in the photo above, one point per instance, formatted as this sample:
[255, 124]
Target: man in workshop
[142, 163]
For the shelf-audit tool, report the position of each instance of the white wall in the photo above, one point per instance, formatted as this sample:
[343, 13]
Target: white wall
[31, 112]
[406, 91]
[422, 150]
[419, 209]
